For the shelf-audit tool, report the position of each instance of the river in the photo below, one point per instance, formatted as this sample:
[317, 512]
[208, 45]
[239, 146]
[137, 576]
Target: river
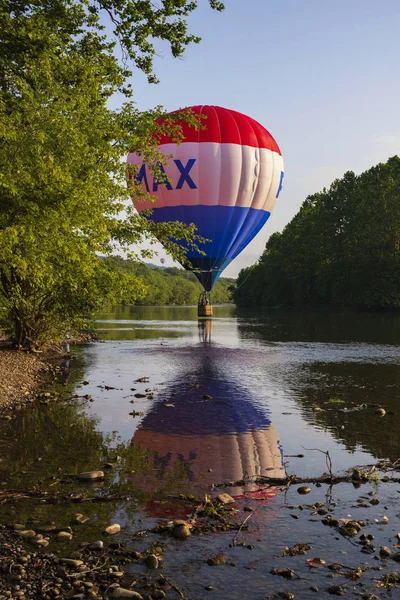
[188, 404]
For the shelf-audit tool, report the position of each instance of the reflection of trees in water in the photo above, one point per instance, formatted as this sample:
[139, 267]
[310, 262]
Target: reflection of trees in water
[41, 441]
[209, 431]
[335, 387]
[282, 325]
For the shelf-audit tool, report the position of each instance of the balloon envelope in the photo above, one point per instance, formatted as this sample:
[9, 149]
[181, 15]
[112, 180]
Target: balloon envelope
[225, 178]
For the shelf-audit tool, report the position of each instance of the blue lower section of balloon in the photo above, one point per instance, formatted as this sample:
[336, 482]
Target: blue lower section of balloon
[229, 229]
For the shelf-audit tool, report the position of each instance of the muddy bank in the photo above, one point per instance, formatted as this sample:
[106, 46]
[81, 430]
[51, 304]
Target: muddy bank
[24, 374]
[21, 374]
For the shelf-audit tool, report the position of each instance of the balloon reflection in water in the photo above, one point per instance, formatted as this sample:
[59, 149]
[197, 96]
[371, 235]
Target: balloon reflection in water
[208, 431]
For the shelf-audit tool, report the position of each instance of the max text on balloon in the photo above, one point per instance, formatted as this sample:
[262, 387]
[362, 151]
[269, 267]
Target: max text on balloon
[183, 173]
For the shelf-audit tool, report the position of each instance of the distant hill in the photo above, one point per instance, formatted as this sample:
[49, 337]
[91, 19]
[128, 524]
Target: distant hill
[170, 285]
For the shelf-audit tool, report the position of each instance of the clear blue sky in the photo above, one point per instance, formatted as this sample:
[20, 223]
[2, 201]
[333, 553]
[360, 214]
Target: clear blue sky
[323, 76]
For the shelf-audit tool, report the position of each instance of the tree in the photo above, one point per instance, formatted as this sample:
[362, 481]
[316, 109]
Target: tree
[342, 247]
[63, 185]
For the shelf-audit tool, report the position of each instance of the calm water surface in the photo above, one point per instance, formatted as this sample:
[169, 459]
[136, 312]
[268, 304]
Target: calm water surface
[266, 375]
[238, 395]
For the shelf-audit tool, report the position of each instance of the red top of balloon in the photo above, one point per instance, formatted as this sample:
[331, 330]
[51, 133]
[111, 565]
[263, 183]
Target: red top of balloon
[225, 126]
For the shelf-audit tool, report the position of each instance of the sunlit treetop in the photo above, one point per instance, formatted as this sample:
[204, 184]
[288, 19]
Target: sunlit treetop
[27, 27]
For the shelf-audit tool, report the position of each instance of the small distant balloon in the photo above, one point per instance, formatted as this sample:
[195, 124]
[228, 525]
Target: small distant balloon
[162, 260]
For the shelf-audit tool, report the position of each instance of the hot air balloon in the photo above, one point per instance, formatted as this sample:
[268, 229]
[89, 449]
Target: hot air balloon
[225, 178]
[162, 260]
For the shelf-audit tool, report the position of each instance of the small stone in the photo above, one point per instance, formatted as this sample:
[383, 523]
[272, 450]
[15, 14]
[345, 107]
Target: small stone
[317, 408]
[374, 501]
[207, 397]
[304, 489]
[80, 519]
[64, 536]
[70, 562]
[209, 588]
[384, 551]
[216, 561]
[98, 545]
[90, 476]
[151, 561]
[112, 529]
[28, 533]
[117, 574]
[381, 412]
[180, 530]
[42, 543]
[286, 595]
[248, 509]
[225, 499]
[46, 528]
[120, 592]
[18, 527]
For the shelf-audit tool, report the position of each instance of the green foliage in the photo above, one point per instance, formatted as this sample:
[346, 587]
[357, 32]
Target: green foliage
[167, 285]
[63, 192]
[342, 248]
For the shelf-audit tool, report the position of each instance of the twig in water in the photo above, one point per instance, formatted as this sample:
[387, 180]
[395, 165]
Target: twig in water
[240, 529]
[174, 587]
[328, 459]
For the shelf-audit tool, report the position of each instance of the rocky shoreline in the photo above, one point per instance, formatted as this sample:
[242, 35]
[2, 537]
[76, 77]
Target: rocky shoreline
[93, 571]
[21, 375]
[24, 374]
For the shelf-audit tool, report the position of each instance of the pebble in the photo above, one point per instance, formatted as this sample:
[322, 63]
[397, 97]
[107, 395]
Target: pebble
[64, 536]
[385, 551]
[98, 545]
[90, 476]
[304, 489]
[18, 527]
[225, 499]
[112, 529]
[381, 412]
[180, 530]
[70, 562]
[28, 533]
[151, 561]
[120, 592]
[80, 519]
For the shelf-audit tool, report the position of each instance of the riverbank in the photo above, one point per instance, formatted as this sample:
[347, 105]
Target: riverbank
[24, 374]
[21, 375]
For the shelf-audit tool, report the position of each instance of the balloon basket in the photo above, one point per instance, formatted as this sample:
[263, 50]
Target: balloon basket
[205, 310]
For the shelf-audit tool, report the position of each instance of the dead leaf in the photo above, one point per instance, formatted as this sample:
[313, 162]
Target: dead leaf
[315, 562]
